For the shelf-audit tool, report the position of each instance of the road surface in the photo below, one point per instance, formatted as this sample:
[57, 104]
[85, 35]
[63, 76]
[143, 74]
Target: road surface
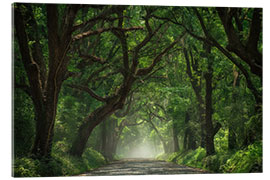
[142, 167]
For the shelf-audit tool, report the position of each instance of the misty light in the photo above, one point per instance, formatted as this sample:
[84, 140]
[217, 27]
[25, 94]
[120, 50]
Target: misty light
[144, 149]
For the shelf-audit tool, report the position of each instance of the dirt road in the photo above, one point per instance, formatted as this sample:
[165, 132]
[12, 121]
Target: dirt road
[141, 167]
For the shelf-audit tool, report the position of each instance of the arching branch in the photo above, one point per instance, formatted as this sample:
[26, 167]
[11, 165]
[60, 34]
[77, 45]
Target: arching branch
[145, 71]
[102, 30]
[89, 91]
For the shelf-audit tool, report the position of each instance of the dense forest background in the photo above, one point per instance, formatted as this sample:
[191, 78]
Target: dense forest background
[95, 83]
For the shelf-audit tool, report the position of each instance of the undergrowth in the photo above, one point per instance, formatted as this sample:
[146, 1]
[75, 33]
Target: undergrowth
[60, 164]
[241, 161]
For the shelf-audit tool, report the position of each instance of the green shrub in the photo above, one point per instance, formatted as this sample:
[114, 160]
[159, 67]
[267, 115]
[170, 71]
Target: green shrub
[94, 159]
[192, 158]
[162, 156]
[60, 164]
[25, 167]
[50, 167]
[173, 157]
[244, 161]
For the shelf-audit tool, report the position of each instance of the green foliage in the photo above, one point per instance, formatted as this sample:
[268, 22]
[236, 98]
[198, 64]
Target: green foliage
[162, 156]
[192, 158]
[60, 164]
[254, 126]
[173, 157]
[24, 124]
[197, 158]
[214, 162]
[242, 161]
[50, 167]
[221, 140]
[245, 161]
[25, 167]
[94, 159]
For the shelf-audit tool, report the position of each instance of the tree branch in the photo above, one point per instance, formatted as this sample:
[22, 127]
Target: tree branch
[142, 44]
[102, 16]
[201, 22]
[67, 22]
[101, 30]
[123, 40]
[93, 58]
[31, 68]
[135, 124]
[96, 73]
[159, 117]
[71, 74]
[255, 29]
[36, 48]
[123, 114]
[88, 90]
[211, 41]
[243, 70]
[106, 76]
[145, 71]
[251, 56]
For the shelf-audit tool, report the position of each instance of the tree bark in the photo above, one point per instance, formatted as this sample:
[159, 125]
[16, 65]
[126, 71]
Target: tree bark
[196, 85]
[90, 122]
[109, 138]
[210, 149]
[44, 86]
[112, 139]
[232, 134]
[189, 139]
[104, 136]
[247, 52]
[175, 137]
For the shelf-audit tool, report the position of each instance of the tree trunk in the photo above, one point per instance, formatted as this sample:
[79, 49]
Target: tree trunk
[104, 137]
[165, 147]
[189, 139]
[210, 149]
[90, 122]
[44, 87]
[111, 139]
[175, 138]
[196, 85]
[232, 134]
[45, 131]
[202, 120]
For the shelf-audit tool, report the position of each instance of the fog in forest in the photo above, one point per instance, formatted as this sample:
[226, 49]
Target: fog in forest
[138, 143]
[142, 150]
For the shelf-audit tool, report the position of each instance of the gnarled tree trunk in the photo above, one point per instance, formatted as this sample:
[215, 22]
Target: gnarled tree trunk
[44, 85]
[89, 124]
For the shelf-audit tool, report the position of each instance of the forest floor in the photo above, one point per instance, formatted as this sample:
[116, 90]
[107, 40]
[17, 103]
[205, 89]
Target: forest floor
[142, 167]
